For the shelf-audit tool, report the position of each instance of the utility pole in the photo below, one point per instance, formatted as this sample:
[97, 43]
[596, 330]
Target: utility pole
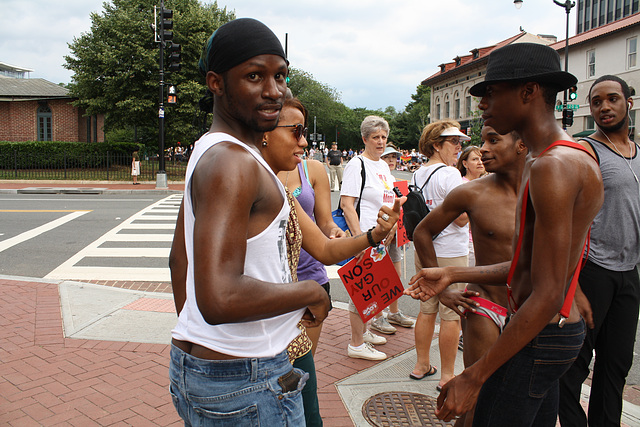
[165, 35]
[567, 114]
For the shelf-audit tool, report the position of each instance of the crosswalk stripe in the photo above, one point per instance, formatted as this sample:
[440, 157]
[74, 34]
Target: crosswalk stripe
[122, 234]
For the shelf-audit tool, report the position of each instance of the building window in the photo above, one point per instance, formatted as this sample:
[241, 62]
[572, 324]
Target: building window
[438, 111]
[618, 9]
[456, 106]
[632, 49]
[634, 6]
[603, 12]
[610, 7]
[44, 123]
[447, 110]
[590, 123]
[627, 8]
[594, 14]
[591, 63]
[587, 15]
[467, 106]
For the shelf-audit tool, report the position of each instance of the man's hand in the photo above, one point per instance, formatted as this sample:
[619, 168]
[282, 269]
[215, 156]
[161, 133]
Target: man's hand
[457, 397]
[455, 299]
[316, 313]
[584, 307]
[428, 283]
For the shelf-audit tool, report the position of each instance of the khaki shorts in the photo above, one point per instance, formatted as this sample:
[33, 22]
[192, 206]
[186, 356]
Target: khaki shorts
[432, 305]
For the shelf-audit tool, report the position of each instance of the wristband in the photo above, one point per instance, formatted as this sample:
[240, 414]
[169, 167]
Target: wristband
[370, 237]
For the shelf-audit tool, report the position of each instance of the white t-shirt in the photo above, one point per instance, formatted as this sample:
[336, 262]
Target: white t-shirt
[454, 240]
[378, 189]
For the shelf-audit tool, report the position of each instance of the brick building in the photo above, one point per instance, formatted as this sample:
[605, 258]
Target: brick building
[38, 110]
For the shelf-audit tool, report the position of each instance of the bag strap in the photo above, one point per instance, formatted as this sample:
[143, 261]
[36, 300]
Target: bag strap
[429, 177]
[568, 300]
[363, 174]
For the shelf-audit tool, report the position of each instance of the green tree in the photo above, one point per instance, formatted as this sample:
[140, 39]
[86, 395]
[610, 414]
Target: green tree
[116, 71]
[406, 126]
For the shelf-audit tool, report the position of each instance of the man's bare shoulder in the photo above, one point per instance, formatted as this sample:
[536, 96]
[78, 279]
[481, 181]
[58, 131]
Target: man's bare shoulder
[226, 158]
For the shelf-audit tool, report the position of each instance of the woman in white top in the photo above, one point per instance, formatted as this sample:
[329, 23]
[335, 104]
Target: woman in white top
[440, 142]
[377, 191]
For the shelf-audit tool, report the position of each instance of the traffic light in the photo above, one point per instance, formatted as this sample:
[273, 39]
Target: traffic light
[172, 98]
[166, 25]
[567, 118]
[573, 93]
[174, 56]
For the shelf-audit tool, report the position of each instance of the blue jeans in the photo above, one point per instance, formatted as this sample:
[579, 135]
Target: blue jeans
[524, 391]
[237, 392]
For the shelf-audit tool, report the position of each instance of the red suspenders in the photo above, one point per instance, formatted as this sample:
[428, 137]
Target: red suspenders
[568, 300]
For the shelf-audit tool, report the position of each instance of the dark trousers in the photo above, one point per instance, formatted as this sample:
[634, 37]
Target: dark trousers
[614, 298]
[524, 391]
[310, 391]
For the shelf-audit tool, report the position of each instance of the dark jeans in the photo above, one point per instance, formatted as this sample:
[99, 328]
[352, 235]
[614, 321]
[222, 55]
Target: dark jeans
[614, 298]
[524, 391]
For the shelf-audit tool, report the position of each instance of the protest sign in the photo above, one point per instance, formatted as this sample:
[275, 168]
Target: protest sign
[373, 283]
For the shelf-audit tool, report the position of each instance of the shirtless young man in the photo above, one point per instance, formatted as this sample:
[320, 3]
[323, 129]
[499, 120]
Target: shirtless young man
[516, 381]
[490, 203]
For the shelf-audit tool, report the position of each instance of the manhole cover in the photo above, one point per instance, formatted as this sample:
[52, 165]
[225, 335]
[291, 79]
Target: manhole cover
[393, 409]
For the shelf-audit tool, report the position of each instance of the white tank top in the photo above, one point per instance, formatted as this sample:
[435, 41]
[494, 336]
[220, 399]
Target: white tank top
[266, 259]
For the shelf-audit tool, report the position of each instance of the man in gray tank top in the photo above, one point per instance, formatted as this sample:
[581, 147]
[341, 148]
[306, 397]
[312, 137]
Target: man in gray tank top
[609, 293]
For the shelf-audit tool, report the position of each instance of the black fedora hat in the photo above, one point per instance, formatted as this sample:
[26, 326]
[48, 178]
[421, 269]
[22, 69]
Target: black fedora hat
[526, 62]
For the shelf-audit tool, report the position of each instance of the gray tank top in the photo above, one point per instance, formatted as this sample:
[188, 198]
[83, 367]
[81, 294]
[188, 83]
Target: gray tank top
[615, 233]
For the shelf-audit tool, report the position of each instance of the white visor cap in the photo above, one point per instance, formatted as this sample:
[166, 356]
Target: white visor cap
[452, 131]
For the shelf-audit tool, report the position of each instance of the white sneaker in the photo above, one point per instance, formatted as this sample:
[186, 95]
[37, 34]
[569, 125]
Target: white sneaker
[382, 325]
[366, 352]
[371, 338]
[400, 319]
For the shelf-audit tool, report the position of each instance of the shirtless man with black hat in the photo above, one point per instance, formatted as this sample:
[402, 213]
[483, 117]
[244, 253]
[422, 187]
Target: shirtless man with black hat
[516, 381]
[492, 229]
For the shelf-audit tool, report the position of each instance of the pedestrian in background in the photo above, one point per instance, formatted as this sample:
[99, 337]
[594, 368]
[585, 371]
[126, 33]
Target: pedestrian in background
[376, 192]
[440, 142]
[135, 167]
[334, 162]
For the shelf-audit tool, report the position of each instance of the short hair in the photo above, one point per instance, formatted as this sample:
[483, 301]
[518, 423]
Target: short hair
[297, 104]
[626, 90]
[372, 124]
[431, 135]
[464, 156]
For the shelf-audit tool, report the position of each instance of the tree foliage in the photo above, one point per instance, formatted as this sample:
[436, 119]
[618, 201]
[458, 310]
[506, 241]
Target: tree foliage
[406, 127]
[116, 70]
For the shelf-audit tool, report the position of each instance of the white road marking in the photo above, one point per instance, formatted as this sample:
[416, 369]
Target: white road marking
[23, 237]
[70, 271]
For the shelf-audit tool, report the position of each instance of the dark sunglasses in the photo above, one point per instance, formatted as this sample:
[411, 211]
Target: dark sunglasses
[299, 130]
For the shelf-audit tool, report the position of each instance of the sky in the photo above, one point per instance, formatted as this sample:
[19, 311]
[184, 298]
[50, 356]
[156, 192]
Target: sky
[373, 52]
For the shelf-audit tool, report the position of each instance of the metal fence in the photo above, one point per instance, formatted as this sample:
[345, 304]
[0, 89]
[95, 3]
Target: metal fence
[85, 167]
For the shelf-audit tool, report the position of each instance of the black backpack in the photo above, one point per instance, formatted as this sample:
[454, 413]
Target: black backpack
[415, 207]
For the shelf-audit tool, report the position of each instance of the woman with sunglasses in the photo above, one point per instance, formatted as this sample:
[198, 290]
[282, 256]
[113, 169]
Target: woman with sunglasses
[440, 142]
[310, 186]
[282, 149]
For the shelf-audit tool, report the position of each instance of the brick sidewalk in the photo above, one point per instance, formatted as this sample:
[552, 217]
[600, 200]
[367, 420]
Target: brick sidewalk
[46, 379]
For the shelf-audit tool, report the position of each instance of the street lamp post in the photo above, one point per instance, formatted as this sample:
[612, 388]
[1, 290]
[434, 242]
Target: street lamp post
[568, 5]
